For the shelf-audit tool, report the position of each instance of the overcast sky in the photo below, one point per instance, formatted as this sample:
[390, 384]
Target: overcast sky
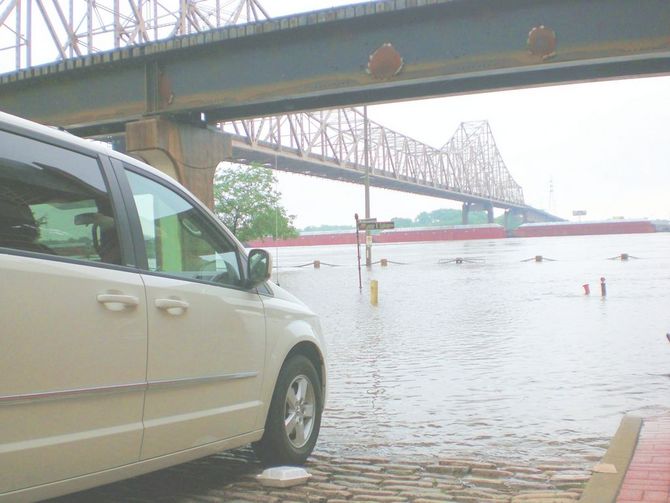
[605, 147]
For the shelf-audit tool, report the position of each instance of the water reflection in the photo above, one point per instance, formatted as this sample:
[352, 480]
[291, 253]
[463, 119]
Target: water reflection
[493, 358]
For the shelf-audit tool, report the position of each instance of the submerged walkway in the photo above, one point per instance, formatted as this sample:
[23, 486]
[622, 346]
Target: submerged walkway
[648, 475]
[636, 467]
[230, 478]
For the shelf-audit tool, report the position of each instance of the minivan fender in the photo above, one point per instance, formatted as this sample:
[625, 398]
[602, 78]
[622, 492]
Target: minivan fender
[304, 341]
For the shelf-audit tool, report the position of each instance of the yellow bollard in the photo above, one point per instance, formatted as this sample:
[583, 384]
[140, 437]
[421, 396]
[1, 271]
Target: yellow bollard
[374, 292]
[317, 264]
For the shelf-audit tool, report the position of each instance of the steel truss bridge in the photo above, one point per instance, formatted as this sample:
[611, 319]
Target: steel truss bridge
[83, 27]
[332, 144]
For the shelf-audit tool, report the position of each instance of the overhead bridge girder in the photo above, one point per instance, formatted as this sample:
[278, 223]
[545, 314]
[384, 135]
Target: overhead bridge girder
[341, 56]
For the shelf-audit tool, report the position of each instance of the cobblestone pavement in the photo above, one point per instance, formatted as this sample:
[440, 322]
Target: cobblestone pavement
[648, 476]
[230, 477]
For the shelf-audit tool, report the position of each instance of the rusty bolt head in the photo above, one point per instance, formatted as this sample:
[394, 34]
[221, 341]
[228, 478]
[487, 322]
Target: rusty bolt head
[385, 62]
[542, 42]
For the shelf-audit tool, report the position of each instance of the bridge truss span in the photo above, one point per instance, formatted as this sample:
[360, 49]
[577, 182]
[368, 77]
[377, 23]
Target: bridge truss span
[474, 157]
[40, 31]
[332, 143]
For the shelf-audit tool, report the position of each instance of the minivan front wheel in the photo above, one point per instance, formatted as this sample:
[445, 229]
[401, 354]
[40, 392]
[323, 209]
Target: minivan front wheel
[294, 418]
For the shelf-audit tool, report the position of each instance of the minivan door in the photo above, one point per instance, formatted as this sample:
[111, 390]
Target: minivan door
[73, 336]
[206, 332]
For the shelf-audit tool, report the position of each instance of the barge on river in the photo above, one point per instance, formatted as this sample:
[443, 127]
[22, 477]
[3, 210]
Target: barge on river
[584, 228]
[408, 235]
[467, 232]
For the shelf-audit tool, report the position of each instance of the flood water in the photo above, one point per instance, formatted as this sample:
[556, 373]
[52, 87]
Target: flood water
[493, 358]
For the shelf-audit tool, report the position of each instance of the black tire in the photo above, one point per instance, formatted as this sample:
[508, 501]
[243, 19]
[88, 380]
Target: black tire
[285, 446]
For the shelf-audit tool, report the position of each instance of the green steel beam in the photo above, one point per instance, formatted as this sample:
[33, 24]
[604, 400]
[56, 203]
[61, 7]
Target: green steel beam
[321, 59]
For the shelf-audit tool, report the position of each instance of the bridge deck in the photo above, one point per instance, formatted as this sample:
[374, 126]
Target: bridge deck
[322, 60]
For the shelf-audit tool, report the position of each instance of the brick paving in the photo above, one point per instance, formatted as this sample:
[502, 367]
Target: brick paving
[648, 477]
[230, 477]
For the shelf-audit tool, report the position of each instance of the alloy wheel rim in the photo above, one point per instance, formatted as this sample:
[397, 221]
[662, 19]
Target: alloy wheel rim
[299, 411]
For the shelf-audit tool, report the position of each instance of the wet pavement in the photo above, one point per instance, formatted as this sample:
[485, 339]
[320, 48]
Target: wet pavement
[648, 476]
[230, 477]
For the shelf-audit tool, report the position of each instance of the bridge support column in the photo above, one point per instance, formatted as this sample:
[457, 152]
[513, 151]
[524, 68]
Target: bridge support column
[187, 153]
[489, 214]
[465, 213]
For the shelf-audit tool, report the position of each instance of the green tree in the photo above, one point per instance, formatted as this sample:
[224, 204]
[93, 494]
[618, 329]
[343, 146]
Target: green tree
[402, 222]
[423, 219]
[246, 200]
[445, 216]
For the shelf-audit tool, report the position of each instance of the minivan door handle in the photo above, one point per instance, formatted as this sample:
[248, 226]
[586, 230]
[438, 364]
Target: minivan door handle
[174, 307]
[117, 301]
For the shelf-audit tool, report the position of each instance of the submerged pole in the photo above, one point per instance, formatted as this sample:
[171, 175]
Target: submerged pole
[358, 252]
[374, 292]
[366, 153]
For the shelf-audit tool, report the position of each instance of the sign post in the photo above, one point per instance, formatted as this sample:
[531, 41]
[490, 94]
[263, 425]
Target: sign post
[367, 225]
[358, 252]
[366, 150]
[579, 214]
[371, 224]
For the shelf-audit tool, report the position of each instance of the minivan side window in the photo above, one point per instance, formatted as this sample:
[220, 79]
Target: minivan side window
[178, 237]
[54, 201]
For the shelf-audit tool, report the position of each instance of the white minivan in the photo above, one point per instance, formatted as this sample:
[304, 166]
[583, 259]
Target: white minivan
[135, 332]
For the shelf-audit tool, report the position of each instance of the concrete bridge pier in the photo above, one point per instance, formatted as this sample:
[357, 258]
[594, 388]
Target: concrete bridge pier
[465, 213]
[512, 212]
[187, 153]
[489, 214]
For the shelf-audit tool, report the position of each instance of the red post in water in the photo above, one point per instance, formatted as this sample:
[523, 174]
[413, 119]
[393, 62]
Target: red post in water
[587, 289]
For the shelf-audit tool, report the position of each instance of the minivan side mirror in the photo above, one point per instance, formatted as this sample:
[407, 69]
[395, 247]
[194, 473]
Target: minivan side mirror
[259, 267]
